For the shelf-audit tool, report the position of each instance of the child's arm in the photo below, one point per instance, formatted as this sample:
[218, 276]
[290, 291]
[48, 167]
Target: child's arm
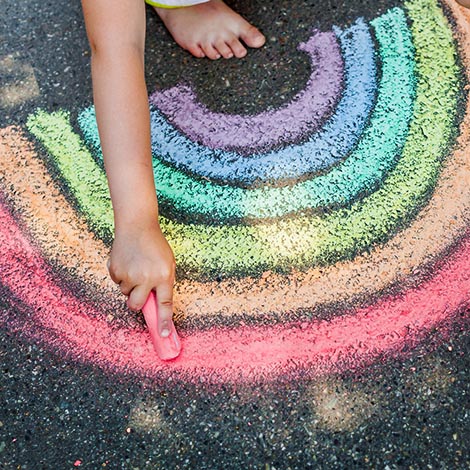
[141, 258]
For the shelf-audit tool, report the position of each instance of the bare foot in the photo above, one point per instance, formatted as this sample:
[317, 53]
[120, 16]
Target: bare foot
[211, 29]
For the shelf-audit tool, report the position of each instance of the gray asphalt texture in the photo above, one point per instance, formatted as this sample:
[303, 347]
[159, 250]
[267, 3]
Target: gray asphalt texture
[411, 413]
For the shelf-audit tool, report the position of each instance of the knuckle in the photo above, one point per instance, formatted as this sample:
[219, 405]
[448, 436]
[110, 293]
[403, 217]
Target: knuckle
[114, 278]
[117, 275]
[166, 275]
[137, 277]
[112, 270]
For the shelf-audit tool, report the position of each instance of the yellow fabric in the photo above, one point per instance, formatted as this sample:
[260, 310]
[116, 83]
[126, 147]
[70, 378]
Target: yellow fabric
[155, 4]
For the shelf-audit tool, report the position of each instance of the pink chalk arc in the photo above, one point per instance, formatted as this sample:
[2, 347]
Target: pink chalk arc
[261, 132]
[237, 354]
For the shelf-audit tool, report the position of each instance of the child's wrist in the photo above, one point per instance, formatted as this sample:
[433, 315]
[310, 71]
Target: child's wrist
[136, 222]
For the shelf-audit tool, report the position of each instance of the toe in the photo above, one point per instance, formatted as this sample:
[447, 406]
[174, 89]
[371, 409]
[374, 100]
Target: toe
[223, 49]
[237, 47]
[252, 37]
[196, 51]
[210, 51]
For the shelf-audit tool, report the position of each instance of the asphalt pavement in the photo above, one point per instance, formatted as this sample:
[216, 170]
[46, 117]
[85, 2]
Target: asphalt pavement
[323, 292]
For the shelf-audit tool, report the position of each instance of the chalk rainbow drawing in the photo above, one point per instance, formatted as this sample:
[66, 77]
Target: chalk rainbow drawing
[260, 260]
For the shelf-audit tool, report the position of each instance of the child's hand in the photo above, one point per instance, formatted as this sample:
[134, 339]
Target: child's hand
[142, 260]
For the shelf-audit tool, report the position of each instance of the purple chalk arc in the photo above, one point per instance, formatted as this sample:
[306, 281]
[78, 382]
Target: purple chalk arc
[304, 114]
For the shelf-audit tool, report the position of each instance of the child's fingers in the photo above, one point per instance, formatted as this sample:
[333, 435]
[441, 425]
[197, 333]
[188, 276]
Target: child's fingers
[137, 296]
[165, 307]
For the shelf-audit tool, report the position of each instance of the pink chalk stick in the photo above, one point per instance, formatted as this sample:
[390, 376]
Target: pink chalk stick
[166, 348]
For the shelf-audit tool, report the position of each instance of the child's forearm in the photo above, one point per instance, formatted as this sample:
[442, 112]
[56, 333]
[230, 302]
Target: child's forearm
[121, 103]
[123, 119]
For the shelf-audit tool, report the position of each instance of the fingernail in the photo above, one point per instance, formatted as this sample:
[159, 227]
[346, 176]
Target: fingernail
[165, 333]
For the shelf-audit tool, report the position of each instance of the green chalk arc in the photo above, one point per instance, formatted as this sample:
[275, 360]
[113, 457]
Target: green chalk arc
[302, 241]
